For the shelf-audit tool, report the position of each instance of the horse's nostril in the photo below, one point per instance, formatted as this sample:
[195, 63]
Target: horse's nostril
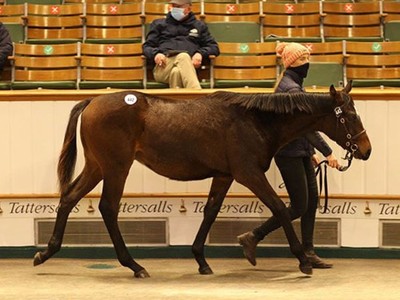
[367, 154]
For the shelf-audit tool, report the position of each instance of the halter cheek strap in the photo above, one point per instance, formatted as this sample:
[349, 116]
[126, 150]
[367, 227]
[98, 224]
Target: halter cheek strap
[350, 144]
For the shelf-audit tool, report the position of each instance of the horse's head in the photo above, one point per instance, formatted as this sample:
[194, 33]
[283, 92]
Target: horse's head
[350, 133]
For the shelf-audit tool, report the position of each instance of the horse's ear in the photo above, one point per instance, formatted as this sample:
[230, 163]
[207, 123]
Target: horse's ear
[348, 87]
[332, 90]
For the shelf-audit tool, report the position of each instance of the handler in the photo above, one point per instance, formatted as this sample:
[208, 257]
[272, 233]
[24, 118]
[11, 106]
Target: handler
[296, 163]
[179, 44]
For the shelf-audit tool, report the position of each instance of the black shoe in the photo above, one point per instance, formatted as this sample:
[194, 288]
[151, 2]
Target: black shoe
[316, 261]
[249, 243]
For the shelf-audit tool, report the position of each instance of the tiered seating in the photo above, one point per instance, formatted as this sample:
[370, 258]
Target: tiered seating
[352, 21]
[244, 64]
[326, 64]
[292, 21]
[111, 65]
[54, 23]
[231, 22]
[392, 20]
[373, 63]
[244, 31]
[44, 66]
[12, 13]
[113, 23]
[12, 17]
[34, 1]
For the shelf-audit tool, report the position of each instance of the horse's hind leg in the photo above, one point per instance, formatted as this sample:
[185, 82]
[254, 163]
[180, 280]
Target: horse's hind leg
[219, 188]
[82, 185]
[109, 208]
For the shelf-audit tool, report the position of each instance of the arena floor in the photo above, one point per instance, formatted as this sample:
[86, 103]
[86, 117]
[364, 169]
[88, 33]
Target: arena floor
[273, 278]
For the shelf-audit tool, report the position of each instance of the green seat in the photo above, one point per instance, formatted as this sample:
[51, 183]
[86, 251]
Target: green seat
[16, 31]
[392, 31]
[244, 65]
[272, 38]
[5, 85]
[235, 32]
[111, 84]
[244, 83]
[354, 39]
[324, 74]
[376, 82]
[27, 85]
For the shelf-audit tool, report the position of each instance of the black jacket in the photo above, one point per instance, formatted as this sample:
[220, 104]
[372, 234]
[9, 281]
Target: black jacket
[291, 82]
[6, 46]
[190, 35]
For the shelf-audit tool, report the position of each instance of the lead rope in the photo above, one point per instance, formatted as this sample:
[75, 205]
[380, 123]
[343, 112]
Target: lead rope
[323, 177]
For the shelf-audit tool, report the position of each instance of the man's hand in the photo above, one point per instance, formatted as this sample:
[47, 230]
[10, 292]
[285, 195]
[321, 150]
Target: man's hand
[160, 60]
[196, 60]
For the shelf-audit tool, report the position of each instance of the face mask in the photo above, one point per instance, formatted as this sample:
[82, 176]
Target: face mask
[302, 70]
[178, 13]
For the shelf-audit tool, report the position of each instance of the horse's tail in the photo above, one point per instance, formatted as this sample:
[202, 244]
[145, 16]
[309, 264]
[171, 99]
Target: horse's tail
[67, 160]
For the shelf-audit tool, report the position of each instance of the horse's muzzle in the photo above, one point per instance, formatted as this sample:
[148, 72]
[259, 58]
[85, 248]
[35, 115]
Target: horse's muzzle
[363, 156]
[367, 154]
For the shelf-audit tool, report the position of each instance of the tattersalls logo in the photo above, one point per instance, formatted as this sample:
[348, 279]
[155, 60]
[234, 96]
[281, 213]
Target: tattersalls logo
[186, 207]
[146, 208]
[388, 209]
[25, 208]
[345, 208]
[254, 207]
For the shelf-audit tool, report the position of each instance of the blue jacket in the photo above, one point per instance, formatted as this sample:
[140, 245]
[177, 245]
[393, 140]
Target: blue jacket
[190, 35]
[291, 82]
[6, 46]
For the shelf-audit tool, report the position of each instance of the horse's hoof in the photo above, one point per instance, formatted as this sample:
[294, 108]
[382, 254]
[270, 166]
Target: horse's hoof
[206, 271]
[37, 259]
[142, 274]
[306, 268]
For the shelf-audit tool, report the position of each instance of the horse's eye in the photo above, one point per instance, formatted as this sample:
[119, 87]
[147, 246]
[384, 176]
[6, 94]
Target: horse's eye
[353, 117]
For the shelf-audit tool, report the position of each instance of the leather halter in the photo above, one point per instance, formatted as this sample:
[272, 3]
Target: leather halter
[351, 148]
[350, 144]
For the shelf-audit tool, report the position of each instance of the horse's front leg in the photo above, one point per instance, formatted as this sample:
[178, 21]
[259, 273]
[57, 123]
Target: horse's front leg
[109, 207]
[259, 185]
[219, 188]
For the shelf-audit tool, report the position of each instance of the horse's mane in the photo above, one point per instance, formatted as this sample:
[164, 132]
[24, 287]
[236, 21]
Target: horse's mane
[282, 103]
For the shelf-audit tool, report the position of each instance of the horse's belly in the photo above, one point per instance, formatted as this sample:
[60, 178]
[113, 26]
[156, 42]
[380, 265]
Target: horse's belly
[177, 167]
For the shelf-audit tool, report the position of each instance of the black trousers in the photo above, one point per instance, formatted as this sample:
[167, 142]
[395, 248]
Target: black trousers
[301, 184]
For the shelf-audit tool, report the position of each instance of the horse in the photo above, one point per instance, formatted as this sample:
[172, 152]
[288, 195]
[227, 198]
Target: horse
[225, 136]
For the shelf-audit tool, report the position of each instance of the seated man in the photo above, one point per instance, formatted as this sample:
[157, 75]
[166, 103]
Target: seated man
[178, 45]
[6, 46]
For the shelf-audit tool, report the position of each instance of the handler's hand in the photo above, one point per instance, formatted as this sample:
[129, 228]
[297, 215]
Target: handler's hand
[315, 159]
[332, 161]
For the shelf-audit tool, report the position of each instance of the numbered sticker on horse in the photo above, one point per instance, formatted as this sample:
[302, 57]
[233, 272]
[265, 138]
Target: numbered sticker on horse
[130, 99]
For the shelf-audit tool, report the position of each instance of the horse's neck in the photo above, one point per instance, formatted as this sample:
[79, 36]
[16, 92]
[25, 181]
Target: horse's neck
[296, 125]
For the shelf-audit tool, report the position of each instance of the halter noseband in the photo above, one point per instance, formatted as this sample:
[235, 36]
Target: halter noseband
[350, 144]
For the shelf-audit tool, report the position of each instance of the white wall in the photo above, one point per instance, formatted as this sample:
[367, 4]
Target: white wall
[32, 134]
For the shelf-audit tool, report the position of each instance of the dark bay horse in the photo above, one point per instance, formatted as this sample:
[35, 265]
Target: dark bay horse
[227, 136]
